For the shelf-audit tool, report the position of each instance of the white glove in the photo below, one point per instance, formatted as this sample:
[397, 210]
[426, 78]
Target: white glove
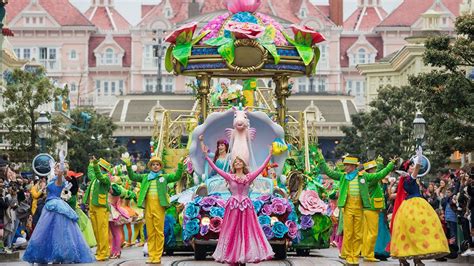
[62, 158]
[126, 158]
[419, 153]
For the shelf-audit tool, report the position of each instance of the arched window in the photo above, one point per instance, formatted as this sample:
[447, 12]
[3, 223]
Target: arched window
[109, 56]
[361, 56]
[73, 87]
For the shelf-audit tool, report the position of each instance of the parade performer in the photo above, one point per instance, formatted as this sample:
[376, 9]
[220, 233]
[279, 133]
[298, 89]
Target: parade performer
[417, 232]
[126, 201]
[36, 192]
[241, 239]
[371, 213]
[84, 222]
[154, 199]
[96, 196]
[118, 217]
[221, 157]
[138, 222]
[57, 238]
[353, 197]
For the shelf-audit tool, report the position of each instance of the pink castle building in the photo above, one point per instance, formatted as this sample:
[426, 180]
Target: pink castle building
[101, 56]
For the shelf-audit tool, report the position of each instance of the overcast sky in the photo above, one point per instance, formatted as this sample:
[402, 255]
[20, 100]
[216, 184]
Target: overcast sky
[130, 9]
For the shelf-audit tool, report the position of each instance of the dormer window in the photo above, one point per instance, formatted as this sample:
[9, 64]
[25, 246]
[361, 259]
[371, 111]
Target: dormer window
[303, 13]
[362, 56]
[168, 13]
[109, 56]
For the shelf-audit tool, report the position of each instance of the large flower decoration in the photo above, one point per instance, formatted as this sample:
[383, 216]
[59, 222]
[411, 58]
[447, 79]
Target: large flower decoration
[183, 40]
[215, 225]
[236, 6]
[310, 203]
[245, 30]
[306, 35]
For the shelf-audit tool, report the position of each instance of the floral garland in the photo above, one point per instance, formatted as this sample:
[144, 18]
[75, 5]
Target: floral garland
[276, 215]
[203, 217]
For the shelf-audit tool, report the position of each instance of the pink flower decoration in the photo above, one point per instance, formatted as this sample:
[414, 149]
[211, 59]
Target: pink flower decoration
[310, 203]
[292, 229]
[278, 208]
[190, 27]
[236, 6]
[215, 225]
[316, 37]
[245, 30]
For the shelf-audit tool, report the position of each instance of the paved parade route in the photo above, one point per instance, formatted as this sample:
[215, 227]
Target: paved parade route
[134, 257]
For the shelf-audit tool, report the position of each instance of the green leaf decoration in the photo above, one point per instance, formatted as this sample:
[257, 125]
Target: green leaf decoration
[317, 55]
[269, 35]
[299, 38]
[202, 35]
[227, 51]
[306, 53]
[168, 57]
[308, 40]
[182, 52]
[189, 37]
[288, 38]
[271, 48]
[218, 41]
[181, 38]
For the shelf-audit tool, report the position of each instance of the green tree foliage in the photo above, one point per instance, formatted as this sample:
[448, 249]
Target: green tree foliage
[447, 93]
[25, 93]
[93, 137]
[386, 128]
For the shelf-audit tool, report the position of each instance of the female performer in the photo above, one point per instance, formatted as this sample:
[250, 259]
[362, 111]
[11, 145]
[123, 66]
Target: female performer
[220, 158]
[57, 238]
[241, 239]
[416, 229]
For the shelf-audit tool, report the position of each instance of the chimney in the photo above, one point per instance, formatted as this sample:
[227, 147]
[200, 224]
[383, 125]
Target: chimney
[336, 11]
[193, 9]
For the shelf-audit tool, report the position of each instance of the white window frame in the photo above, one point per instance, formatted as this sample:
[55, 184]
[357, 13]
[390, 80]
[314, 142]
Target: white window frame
[73, 87]
[168, 84]
[73, 55]
[98, 87]
[362, 56]
[49, 59]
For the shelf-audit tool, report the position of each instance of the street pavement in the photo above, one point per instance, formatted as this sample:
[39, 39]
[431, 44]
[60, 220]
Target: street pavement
[134, 257]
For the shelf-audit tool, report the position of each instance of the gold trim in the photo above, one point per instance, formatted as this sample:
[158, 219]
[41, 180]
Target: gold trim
[250, 69]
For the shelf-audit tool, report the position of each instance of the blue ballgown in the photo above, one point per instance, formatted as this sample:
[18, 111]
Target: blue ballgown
[57, 237]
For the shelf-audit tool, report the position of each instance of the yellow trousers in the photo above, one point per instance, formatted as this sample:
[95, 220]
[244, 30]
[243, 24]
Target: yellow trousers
[100, 225]
[155, 225]
[371, 228]
[138, 231]
[352, 241]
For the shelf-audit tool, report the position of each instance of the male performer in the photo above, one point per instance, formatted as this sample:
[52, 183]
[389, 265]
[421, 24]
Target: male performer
[154, 199]
[97, 197]
[353, 197]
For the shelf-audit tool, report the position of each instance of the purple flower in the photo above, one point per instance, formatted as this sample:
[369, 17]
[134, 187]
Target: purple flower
[267, 230]
[204, 229]
[220, 202]
[278, 207]
[207, 203]
[306, 222]
[265, 197]
[292, 229]
[267, 209]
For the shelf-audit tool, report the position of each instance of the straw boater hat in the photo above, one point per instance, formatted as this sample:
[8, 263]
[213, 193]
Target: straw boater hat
[105, 165]
[154, 159]
[351, 160]
[370, 165]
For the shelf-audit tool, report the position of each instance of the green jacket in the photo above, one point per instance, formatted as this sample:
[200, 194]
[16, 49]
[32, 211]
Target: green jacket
[376, 194]
[363, 177]
[100, 194]
[162, 186]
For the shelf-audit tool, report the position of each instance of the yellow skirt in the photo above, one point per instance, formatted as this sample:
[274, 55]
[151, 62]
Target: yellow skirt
[417, 232]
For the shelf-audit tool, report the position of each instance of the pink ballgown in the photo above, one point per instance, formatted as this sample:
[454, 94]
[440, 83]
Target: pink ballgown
[241, 239]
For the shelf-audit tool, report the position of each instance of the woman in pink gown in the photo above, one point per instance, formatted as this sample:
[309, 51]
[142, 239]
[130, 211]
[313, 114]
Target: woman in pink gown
[241, 239]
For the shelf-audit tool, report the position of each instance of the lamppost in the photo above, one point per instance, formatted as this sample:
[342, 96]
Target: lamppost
[43, 126]
[159, 50]
[419, 128]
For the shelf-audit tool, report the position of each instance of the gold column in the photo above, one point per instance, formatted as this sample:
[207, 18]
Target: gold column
[282, 91]
[204, 81]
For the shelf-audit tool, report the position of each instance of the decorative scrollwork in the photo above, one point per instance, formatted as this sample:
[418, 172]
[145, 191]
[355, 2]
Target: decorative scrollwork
[259, 55]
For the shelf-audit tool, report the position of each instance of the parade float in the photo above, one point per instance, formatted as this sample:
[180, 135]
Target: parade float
[242, 45]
